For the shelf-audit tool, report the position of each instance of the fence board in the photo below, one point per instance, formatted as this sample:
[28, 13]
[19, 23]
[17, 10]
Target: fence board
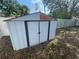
[66, 23]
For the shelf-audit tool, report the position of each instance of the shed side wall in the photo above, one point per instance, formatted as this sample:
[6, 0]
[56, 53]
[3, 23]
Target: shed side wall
[17, 34]
[52, 29]
[13, 35]
[21, 34]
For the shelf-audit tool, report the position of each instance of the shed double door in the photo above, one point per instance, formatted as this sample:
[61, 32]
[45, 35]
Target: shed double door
[37, 32]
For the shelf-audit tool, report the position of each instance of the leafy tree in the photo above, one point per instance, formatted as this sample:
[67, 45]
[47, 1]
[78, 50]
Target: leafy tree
[63, 8]
[21, 10]
[0, 4]
[25, 10]
[8, 9]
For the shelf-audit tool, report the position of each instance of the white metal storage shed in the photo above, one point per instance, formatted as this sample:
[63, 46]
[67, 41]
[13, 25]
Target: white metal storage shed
[30, 30]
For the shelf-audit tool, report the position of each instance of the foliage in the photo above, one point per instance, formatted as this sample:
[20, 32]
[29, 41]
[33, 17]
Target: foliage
[10, 9]
[21, 10]
[0, 4]
[62, 14]
[29, 56]
[63, 8]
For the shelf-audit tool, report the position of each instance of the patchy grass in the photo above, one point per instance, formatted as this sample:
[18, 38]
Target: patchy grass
[64, 46]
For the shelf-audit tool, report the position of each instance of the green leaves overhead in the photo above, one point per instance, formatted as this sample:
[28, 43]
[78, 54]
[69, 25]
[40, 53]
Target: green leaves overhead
[63, 8]
[9, 9]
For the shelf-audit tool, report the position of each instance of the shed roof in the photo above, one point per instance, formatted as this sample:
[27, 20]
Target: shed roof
[33, 16]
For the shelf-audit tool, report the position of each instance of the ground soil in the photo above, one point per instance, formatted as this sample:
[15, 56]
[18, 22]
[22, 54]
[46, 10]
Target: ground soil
[36, 52]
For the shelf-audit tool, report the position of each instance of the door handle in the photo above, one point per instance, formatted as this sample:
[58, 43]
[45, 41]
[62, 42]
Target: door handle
[38, 32]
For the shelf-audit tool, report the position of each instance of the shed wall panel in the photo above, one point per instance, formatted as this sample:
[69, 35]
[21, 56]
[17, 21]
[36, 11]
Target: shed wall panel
[13, 35]
[21, 34]
[52, 29]
[43, 31]
[33, 33]
[17, 34]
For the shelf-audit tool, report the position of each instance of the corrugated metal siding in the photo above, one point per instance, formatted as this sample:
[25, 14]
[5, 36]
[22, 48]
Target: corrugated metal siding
[20, 28]
[53, 26]
[43, 31]
[33, 30]
[13, 35]
[18, 37]
[33, 33]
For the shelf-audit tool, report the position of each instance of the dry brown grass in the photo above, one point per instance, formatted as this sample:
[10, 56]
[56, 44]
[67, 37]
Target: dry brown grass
[67, 36]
